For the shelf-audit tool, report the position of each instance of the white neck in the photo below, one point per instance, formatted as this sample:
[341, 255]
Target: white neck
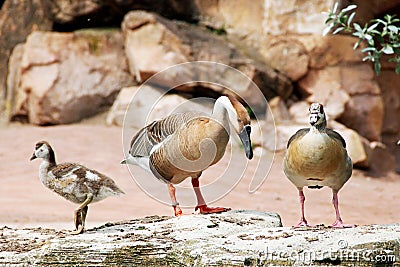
[224, 112]
[43, 170]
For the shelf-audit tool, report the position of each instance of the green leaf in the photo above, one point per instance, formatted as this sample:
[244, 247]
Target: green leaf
[381, 21]
[393, 29]
[326, 30]
[388, 50]
[357, 44]
[377, 67]
[369, 58]
[350, 7]
[357, 27]
[368, 49]
[373, 26]
[335, 7]
[351, 18]
[338, 30]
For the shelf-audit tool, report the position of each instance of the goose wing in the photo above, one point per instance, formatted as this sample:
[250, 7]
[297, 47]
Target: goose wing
[158, 131]
[336, 135]
[300, 133]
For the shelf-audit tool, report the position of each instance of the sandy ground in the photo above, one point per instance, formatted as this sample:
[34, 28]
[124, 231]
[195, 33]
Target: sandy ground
[24, 201]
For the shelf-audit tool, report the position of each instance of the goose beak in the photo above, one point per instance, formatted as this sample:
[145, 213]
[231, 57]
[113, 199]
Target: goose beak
[245, 138]
[33, 157]
[123, 162]
[313, 119]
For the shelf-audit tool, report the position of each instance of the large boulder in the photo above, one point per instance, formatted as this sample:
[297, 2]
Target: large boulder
[364, 113]
[64, 77]
[298, 17]
[154, 43]
[17, 20]
[330, 50]
[324, 86]
[137, 106]
[287, 55]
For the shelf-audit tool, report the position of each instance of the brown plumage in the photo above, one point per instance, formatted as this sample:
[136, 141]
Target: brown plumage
[185, 144]
[74, 182]
[317, 157]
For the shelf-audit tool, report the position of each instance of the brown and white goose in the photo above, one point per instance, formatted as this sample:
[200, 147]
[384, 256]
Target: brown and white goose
[317, 157]
[73, 182]
[185, 144]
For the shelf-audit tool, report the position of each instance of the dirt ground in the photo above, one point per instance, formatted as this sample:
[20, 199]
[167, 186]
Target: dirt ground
[24, 201]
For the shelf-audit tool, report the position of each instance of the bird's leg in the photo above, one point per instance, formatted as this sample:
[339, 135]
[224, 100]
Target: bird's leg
[338, 223]
[175, 204]
[303, 221]
[201, 204]
[80, 215]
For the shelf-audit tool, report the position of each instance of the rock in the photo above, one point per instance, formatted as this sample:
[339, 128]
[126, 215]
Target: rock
[291, 17]
[245, 238]
[381, 160]
[14, 104]
[287, 55]
[282, 133]
[149, 36]
[17, 20]
[234, 17]
[137, 106]
[359, 79]
[279, 110]
[389, 84]
[330, 50]
[65, 77]
[298, 112]
[324, 86]
[75, 14]
[364, 113]
[354, 145]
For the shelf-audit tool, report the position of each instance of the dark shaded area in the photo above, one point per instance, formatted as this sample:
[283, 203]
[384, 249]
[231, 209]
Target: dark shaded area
[110, 13]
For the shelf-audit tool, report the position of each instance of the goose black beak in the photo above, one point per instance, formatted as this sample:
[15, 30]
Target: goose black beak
[33, 157]
[245, 138]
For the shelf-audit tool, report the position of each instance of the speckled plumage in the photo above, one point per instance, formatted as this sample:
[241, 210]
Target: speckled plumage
[73, 181]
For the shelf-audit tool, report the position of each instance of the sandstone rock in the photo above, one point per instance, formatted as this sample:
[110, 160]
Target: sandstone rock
[284, 17]
[17, 20]
[381, 159]
[299, 112]
[282, 133]
[389, 84]
[235, 17]
[364, 113]
[287, 55]
[359, 79]
[68, 76]
[149, 37]
[137, 106]
[324, 86]
[279, 110]
[330, 50]
[14, 104]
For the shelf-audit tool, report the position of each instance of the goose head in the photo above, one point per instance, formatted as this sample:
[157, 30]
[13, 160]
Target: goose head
[42, 150]
[240, 120]
[317, 115]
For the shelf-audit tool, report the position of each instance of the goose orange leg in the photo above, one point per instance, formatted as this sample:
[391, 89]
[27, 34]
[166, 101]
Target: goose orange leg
[338, 223]
[175, 204]
[201, 204]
